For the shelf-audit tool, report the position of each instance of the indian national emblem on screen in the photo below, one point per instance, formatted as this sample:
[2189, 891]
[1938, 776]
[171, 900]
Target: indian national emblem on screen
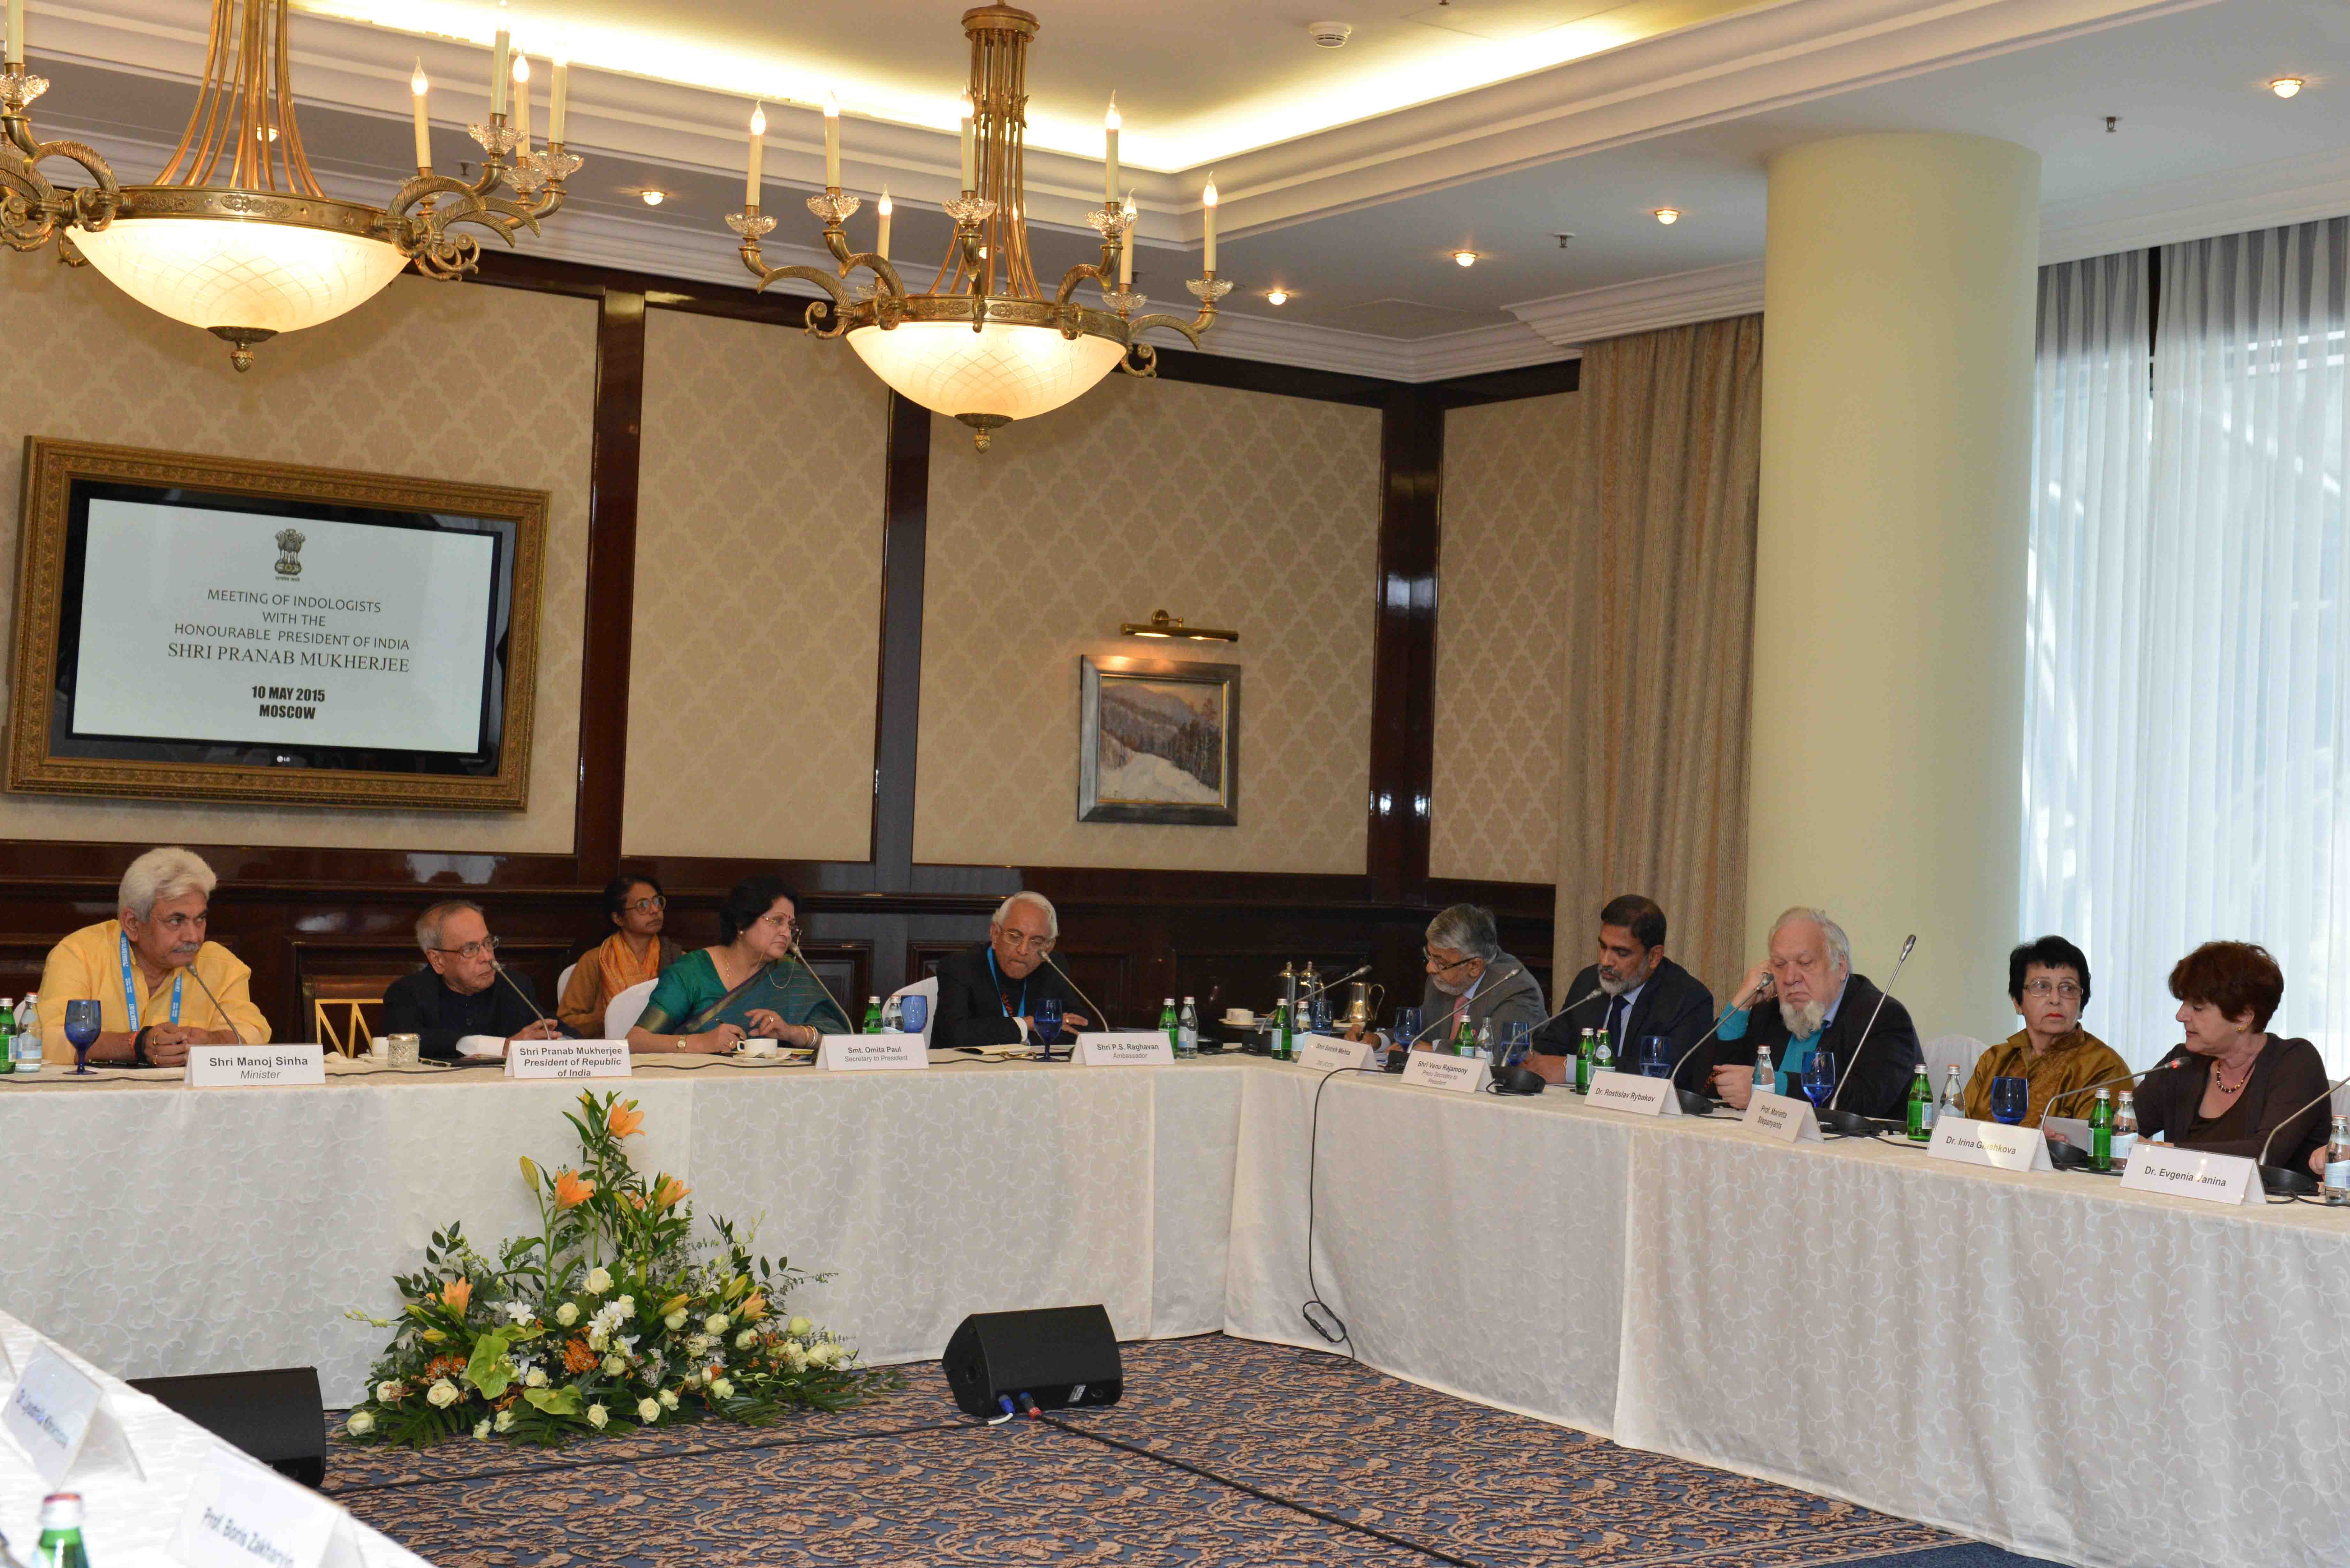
[289, 553]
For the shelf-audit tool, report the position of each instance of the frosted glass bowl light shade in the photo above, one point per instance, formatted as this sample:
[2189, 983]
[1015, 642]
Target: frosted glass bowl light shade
[237, 272]
[1005, 369]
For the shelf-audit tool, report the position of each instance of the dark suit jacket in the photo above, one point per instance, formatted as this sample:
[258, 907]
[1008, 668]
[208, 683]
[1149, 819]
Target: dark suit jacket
[970, 1010]
[1879, 1081]
[2286, 1075]
[422, 1004]
[1673, 1002]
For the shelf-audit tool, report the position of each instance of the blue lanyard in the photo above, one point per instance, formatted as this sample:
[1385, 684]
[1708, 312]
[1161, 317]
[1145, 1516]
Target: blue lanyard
[130, 992]
[998, 976]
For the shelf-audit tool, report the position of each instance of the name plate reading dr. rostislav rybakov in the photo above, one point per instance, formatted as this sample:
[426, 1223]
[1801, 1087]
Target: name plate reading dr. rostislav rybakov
[1634, 1093]
[255, 1067]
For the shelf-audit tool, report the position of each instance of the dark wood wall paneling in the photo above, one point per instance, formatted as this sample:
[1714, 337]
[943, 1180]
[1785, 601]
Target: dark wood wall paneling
[1130, 936]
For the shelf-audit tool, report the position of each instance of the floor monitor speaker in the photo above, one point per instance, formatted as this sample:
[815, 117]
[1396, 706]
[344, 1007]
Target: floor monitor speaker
[1059, 1357]
[275, 1415]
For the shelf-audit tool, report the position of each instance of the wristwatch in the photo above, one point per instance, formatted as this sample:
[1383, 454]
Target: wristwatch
[139, 1047]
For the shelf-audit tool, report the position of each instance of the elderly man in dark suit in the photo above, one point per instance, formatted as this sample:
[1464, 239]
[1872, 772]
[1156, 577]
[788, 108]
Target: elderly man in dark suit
[1822, 1006]
[1469, 973]
[1634, 991]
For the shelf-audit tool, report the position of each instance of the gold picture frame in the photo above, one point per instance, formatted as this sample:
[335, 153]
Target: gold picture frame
[51, 469]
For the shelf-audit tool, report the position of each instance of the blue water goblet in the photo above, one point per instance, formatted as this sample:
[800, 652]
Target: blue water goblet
[1820, 1078]
[83, 1021]
[914, 1010]
[1656, 1056]
[1048, 1024]
[1516, 1040]
[2008, 1098]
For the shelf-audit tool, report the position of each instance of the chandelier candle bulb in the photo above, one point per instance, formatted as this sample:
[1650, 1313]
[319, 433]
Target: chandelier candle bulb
[558, 97]
[1110, 154]
[881, 243]
[969, 147]
[15, 52]
[1208, 224]
[522, 101]
[499, 69]
[1125, 257]
[758, 152]
[418, 87]
[831, 142]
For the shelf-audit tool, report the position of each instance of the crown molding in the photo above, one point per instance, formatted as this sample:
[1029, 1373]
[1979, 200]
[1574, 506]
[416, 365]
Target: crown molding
[2261, 196]
[1644, 305]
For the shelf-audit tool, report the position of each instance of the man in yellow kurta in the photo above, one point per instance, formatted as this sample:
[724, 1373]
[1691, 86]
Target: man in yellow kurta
[161, 986]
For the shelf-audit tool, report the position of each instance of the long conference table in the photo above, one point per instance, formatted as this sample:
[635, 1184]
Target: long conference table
[2042, 1360]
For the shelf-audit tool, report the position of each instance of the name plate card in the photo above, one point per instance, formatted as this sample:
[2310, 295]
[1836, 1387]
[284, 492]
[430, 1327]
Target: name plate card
[1634, 1093]
[568, 1059]
[1432, 1070]
[1989, 1143]
[240, 1515]
[1328, 1053]
[874, 1052]
[1784, 1118]
[255, 1067]
[1130, 1048]
[2192, 1173]
[59, 1416]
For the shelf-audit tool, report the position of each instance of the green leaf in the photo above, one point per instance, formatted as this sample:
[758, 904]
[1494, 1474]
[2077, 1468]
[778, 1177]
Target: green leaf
[490, 1371]
[562, 1401]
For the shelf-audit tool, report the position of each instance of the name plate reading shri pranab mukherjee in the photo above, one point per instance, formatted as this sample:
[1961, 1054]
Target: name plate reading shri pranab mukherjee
[568, 1059]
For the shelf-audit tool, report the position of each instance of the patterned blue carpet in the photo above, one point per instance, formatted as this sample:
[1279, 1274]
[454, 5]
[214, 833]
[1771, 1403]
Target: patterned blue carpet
[1223, 1451]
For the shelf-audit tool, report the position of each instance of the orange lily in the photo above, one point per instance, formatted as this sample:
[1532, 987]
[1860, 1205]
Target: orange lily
[754, 1309]
[624, 1119]
[571, 1190]
[670, 1193]
[456, 1294]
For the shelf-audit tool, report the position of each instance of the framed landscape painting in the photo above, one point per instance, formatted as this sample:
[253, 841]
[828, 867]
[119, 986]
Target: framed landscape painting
[1159, 741]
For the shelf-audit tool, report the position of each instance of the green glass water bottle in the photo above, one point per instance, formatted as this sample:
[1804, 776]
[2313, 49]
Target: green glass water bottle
[1583, 1064]
[2101, 1132]
[872, 1024]
[61, 1544]
[1464, 1038]
[1167, 1025]
[1603, 1052]
[8, 1035]
[1921, 1106]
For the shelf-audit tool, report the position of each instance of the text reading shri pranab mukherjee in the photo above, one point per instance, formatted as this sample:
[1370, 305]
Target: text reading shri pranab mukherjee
[327, 634]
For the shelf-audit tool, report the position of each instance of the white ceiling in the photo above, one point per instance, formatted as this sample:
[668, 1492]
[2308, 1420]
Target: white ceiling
[1358, 219]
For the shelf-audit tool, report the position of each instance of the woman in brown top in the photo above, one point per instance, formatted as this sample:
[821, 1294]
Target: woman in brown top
[2231, 1083]
[2059, 1061]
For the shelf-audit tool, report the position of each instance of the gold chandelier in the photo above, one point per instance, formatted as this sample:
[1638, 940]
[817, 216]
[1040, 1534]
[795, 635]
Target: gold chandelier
[234, 235]
[983, 344]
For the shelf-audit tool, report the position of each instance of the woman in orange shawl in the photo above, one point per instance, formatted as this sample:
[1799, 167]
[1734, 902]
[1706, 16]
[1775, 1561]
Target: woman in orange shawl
[636, 952]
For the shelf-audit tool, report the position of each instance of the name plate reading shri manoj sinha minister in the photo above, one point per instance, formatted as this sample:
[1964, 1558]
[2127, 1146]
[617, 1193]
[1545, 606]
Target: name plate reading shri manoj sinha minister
[568, 1059]
[255, 1067]
[872, 1052]
[1127, 1048]
[2191, 1173]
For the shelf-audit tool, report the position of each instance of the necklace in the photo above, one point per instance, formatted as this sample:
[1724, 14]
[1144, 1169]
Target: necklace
[2219, 1082]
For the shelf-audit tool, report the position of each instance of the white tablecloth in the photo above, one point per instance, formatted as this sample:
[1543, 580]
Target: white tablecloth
[130, 1522]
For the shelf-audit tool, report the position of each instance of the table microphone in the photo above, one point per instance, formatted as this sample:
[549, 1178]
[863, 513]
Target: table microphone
[2064, 1156]
[1101, 1019]
[846, 1027]
[513, 985]
[1852, 1124]
[207, 989]
[1522, 1080]
[2286, 1178]
[1695, 1103]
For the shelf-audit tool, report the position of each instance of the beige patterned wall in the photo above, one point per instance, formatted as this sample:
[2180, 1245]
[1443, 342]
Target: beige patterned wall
[1231, 509]
[1502, 597]
[758, 606]
[489, 385]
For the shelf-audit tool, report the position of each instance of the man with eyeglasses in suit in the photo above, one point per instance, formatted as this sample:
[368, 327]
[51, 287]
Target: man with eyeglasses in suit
[990, 994]
[457, 1007]
[1470, 975]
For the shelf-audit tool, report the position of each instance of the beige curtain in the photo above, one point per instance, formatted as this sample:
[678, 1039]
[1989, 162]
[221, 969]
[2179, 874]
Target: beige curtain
[1660, 640]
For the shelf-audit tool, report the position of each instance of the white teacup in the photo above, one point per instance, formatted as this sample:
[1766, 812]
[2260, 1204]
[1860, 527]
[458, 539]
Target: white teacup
[379, 1050]
[753, 1045]
[1239, 1017]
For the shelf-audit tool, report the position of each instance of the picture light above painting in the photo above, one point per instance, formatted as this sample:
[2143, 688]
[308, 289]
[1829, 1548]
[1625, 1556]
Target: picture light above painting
[1159, 741]
[209, 628]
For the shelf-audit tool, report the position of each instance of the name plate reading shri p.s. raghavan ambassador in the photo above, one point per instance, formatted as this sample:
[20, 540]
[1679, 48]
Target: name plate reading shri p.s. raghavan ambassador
[255, 1067]
[568, 1059]
[1125, 1048]
[872, 1052]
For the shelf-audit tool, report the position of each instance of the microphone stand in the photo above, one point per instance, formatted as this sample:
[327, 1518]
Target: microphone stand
[1522, 1080]
[514, 986]
[1852, 1124]
[2288, 1179]
[845, 1027]
[1101, 1018]
[2064, 1156]
[207, 989]
[1694, 1103]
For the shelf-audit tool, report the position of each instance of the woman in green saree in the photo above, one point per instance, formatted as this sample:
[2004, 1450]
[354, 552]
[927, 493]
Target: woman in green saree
[751, 984]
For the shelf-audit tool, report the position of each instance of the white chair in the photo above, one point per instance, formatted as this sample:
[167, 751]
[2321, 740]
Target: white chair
[927, 988]
[1947, 1050]
[620, 1014]
[563, 982]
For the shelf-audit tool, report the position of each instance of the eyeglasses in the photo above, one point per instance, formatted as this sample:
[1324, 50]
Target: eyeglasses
[1020, 944]
[2043, 989]
[1440, 968]
[472, 950]
[647, 905]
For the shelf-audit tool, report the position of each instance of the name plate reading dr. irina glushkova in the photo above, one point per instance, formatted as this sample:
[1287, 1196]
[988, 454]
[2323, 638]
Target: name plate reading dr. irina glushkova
[255, 1067]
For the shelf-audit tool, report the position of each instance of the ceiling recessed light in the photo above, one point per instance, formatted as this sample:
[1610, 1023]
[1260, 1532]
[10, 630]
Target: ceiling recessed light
[2285, 86]
[654, 198]
[1669, 214]
[1276, 297]
[1465, 258]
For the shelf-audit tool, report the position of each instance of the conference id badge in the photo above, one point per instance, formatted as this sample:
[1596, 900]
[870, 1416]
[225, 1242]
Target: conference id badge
[1635, 1093]
[1784, 1117]
[58, 1414]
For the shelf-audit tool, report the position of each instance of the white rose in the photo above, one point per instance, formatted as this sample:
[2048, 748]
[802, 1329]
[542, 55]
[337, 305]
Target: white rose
[722, 1388]
[696, 1344]
[482, 1430]
[505, 1420]
[598, 1416]
[598, 1281]
[669, 1398]
[441, 1394]
[567, 1314]
[798, 1328]
[649, 1410]
[360, 1424]
[596, 1340]
[614, 1366]
[537, 1378]
[823, 1355]
[795, 1356]
[628, 1305]
[746, 1339]
[716, 1324]
[386, 1392]
[675, 1320]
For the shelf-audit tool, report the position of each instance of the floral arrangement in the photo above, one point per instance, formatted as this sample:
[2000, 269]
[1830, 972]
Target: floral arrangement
[611, 1313]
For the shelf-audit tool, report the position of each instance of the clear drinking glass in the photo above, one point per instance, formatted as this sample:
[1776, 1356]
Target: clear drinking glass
[1656, 1056]
[1407, 1026]
[82, 1025]
[1819, 1078]
[1516, 1040]
[2009, 1096]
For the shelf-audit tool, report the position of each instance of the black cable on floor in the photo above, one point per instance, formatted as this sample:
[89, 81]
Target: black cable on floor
[1314, 1301]
[702, 1451]
[1260, 1494]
